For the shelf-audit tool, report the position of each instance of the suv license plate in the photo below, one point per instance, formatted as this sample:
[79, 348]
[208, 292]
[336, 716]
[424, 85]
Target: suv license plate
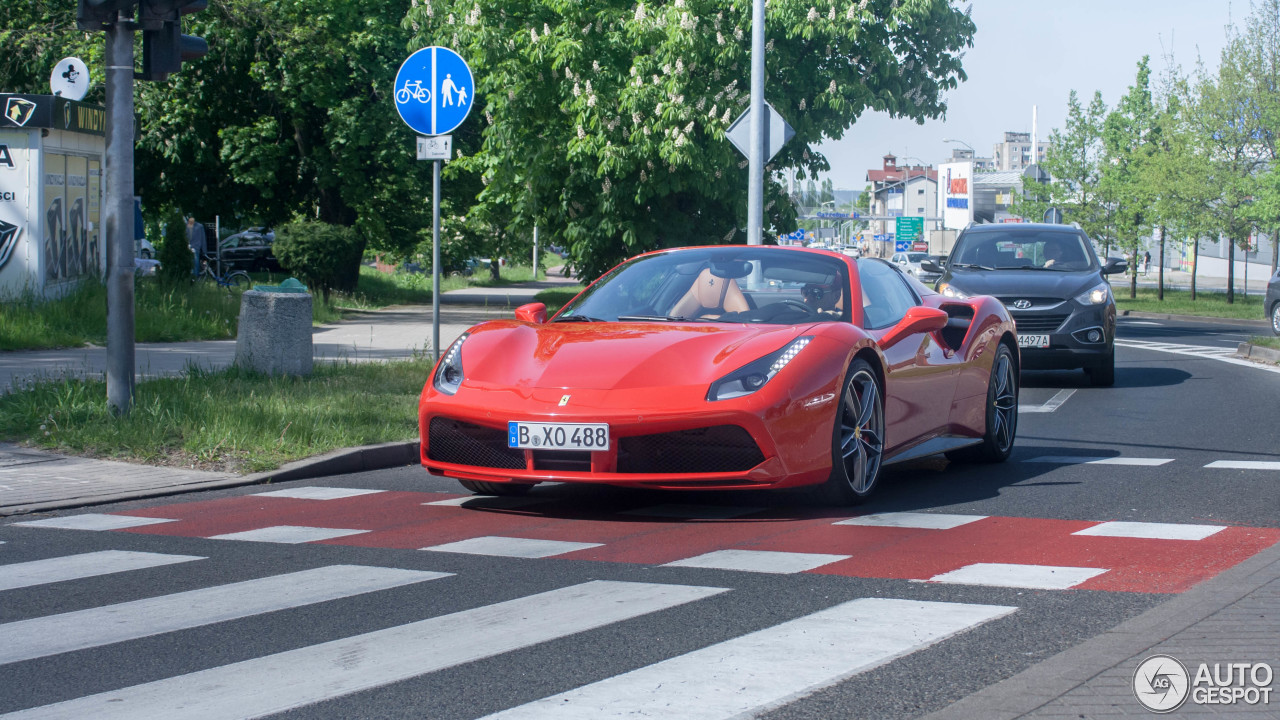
[1033, 341]
[557, 436]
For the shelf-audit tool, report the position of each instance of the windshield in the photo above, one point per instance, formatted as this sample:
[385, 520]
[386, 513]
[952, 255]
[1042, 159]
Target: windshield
[1033, 249]
[732, 285]
[916, 257]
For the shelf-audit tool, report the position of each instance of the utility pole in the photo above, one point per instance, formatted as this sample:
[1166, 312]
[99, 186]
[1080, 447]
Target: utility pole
[755, 187]
[164, 49]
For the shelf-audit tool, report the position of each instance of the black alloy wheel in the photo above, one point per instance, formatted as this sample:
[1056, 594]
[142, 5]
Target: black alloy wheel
[1104, 373]
[857, 445]
[1002, 413]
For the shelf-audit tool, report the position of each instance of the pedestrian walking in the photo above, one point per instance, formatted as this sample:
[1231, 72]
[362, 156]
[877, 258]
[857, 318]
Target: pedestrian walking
[196, 239]
[1146, 262]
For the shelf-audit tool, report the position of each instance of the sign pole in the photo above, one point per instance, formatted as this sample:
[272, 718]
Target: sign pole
[755, 184]
[435, 260]
[119, 217]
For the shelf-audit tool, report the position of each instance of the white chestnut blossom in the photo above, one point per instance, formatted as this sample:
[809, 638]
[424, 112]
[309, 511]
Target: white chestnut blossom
[813, 14]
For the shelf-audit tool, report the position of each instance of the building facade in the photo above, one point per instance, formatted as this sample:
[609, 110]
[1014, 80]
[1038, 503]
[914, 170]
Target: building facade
[1014, 153]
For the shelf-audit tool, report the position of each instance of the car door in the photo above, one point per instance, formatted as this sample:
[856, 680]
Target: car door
[921, 379]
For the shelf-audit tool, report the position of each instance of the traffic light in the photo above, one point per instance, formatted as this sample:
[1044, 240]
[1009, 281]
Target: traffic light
[95, 15]
[164, 47]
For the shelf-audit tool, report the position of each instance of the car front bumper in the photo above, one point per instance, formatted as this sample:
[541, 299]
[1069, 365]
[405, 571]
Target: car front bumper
[1069, 344]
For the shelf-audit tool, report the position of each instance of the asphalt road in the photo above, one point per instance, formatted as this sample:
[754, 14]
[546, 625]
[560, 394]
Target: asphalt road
[874, 630]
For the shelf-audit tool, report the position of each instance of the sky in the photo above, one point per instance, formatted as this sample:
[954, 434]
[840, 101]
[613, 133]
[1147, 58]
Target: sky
[1035, 52]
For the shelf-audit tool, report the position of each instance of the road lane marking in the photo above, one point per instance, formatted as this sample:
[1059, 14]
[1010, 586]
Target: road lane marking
[1152, 531]
[318, 493]
[75, 567]
[1050, 405]
[924, 521]
[94, 627]
[1090, 460]
[768, 668]
[1035, 577]
[288, 534]
[93, 521]
[1201, 351]
[511, 547]
[481, 502]
[692, 512]
[1244, 465]
[296, 678]
[761, 561]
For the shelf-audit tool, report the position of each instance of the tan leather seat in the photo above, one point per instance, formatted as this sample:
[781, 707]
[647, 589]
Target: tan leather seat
[711, 295]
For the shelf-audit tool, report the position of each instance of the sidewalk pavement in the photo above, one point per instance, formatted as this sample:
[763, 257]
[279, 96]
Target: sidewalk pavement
[1234, 617]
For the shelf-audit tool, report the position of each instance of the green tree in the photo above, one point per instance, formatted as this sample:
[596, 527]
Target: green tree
[1129, 139]
[1072, 162]
[604, 121]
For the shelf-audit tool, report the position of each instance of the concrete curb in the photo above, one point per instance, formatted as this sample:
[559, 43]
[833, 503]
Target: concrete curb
[1249, 351]
[1049, 680]
[1195, 318]
[345, 460]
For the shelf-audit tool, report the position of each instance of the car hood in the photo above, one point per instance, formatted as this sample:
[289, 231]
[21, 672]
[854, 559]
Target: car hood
[1038, 283]
[509, 353]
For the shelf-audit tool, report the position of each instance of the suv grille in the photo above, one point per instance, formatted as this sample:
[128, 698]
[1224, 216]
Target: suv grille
[1038, 323]
[462, 443]
[722, 448]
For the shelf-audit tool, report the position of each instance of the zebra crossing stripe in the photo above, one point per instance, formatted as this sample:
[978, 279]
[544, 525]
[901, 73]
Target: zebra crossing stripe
[75, 567]
[318, 493]
[93, 521]
[1244, 465]
[296, 678]
[39, 637]
[1089, 460]
[742, 677]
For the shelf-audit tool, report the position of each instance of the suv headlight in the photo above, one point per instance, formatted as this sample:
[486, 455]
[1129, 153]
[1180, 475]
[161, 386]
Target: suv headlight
[752, 376]
[449, 375]
[951, 291]
[1097, 295]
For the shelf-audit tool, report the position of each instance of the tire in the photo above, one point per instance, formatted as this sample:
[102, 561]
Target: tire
[1275, 319]
[1002, 413]
[239, 279]
[488, 488]
[857, 443]
[1104, 373]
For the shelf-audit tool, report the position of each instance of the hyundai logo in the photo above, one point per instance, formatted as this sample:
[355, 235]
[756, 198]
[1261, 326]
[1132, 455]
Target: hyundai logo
[1022, 304]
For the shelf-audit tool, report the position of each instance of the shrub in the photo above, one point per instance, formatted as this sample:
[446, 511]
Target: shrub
[326, 257]
[174, 252]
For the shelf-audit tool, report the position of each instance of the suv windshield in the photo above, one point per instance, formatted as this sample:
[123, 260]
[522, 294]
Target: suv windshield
[735, 284]
[1031, 249]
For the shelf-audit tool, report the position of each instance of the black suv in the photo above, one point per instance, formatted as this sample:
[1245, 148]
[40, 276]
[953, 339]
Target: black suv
[1052, 283]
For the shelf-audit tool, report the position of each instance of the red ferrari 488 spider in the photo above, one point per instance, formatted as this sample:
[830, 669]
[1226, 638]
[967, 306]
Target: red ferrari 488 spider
[726, 367]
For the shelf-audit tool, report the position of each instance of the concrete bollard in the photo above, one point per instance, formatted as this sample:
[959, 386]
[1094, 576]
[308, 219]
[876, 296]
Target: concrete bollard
[275, 332]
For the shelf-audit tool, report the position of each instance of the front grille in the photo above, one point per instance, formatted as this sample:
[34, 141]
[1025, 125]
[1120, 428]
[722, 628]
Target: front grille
[462, 443]
[1039, 323]
[574, 460]
[722, 448]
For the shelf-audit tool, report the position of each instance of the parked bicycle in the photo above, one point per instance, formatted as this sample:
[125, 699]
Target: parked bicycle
[232, 279]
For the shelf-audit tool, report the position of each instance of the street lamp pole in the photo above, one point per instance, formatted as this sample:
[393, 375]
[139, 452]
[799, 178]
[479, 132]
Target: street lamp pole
[756, 124]
[973, 154]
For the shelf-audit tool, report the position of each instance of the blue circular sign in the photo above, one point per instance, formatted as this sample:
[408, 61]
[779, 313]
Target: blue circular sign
[434, 91]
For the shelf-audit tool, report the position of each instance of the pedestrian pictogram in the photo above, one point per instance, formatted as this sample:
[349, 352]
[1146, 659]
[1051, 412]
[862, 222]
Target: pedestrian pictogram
[434, 91]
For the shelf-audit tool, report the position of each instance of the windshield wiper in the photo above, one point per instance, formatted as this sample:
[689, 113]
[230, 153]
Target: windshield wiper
[971, 265]
[659, 318]
[578, 318]
[1027, 267]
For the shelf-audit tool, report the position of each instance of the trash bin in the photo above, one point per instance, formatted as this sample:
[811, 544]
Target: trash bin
[275, 329]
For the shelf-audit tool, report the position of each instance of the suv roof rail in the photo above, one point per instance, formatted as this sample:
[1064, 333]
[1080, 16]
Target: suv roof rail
[1076, 225]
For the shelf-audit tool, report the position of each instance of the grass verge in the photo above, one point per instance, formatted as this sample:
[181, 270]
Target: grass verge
[556, 298]
[1179, 302]
[1266, 341]
[231, 420]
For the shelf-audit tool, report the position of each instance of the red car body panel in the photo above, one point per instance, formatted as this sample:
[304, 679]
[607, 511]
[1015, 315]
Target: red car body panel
[646, 378]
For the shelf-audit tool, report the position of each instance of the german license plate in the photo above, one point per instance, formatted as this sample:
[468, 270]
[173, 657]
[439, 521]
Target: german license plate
[1033, 341]
[557, 436]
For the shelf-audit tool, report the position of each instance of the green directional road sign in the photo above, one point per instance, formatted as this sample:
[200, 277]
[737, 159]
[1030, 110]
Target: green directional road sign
[909, 229]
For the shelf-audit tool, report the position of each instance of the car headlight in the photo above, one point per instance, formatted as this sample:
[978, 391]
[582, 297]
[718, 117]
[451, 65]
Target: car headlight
[951, 291]
[1096, 295]
[753, 376]
[449, 375]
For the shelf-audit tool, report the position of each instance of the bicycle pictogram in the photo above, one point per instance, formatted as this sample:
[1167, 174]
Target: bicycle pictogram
[413, 89]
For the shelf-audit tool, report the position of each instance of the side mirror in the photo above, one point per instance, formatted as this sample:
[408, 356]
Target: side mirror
[931, 266]
[1114, 266]
[919, 319]
[532, 313]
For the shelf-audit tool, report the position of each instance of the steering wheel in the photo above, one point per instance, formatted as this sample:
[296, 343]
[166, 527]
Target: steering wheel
[774, 309]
